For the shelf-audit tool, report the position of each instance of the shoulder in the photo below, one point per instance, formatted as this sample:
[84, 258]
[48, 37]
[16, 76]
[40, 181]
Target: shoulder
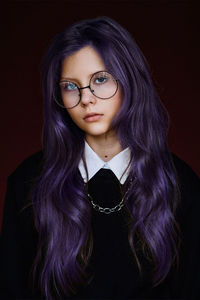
[187, 178]
[189, 187]
[32, 165]
[183, 169]
[22, 179]
[18, 196]
[29, 168]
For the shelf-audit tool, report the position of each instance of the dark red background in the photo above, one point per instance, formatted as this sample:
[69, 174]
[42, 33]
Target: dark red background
[166, 31]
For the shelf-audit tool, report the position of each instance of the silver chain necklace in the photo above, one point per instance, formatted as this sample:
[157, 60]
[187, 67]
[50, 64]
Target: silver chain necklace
[108, 210]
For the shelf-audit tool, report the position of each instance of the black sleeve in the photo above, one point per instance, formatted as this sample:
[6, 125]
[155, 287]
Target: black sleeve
[9, 255]
[18, 241]
[186, 282]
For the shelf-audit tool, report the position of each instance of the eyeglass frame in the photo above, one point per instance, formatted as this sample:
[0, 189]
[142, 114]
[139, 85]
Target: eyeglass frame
[81, 88]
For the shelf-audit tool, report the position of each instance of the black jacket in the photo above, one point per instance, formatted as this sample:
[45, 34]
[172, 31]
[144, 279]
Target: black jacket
[116, 273]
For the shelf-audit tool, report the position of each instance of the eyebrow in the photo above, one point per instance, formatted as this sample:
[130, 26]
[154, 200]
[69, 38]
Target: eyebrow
[74, 79]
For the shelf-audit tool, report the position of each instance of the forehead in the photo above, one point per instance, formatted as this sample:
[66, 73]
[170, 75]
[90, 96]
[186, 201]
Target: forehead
[82, 63]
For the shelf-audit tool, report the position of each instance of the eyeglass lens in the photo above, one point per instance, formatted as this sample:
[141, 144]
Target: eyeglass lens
[102, 85]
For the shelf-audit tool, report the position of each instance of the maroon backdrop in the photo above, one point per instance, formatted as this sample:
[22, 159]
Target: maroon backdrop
[166, 31]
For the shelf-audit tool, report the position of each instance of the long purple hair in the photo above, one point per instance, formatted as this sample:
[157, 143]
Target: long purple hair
[61, 207]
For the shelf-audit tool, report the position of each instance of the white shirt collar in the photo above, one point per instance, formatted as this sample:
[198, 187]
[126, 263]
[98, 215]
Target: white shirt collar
[94, 163]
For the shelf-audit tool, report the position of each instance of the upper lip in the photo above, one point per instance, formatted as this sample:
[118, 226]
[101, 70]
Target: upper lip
[91, 114]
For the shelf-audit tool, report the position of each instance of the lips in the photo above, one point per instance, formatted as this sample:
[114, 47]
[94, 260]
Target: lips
[92, 117]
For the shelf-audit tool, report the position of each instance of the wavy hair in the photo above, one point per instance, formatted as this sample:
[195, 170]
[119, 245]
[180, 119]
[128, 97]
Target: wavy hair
[62, 210]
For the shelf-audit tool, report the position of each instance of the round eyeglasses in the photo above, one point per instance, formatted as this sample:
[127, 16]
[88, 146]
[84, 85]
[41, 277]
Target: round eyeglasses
[102, 85]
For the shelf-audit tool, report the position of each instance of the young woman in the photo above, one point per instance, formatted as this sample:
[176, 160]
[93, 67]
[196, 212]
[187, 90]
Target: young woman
[105, 210]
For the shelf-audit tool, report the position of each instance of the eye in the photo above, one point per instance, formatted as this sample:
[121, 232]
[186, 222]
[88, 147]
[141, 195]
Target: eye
[68, 86]
[101, 79]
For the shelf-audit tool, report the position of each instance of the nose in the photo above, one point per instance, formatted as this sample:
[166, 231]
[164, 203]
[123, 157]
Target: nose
[87, 96]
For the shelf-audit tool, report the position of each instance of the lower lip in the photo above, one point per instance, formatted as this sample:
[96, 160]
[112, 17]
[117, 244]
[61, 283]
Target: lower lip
[92, 118]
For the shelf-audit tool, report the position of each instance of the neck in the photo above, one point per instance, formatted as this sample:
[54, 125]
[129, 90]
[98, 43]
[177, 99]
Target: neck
[106, 146]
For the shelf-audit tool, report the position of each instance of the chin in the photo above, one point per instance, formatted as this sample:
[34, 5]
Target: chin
[95, 128]
[96, 131]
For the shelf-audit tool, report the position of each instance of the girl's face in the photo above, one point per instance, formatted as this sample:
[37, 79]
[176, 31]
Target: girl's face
[78, 68]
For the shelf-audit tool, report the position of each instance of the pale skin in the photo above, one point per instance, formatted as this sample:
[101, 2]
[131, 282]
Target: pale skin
[78, 68]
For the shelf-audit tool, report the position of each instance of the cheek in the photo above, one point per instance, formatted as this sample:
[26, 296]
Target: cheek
[115, 105]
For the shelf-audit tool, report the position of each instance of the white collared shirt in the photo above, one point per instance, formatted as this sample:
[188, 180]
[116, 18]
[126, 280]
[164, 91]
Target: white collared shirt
[94, 163]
